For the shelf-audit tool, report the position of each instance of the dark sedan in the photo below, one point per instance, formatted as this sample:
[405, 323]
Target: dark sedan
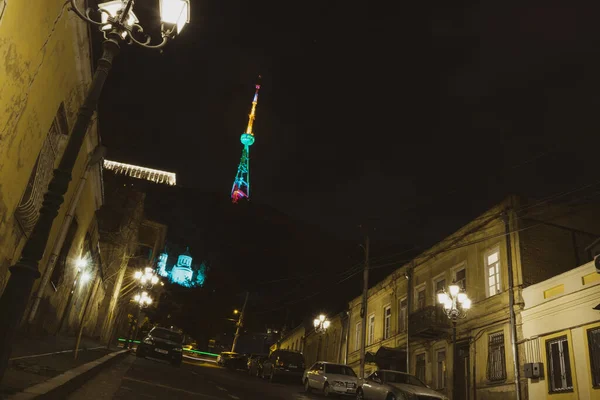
[162, 343]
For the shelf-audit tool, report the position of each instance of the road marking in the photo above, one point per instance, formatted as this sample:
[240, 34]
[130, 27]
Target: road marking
[220, 388]
[50, 354]
[234, 397]
[205, 396]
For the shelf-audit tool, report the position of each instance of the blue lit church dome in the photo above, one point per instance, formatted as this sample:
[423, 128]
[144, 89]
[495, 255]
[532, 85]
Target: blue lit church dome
[182, 271]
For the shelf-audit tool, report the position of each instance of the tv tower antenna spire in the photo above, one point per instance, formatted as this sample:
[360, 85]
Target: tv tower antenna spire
[241, 184]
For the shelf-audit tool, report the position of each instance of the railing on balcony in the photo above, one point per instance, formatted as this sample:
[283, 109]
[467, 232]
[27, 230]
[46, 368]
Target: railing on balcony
[430, 323]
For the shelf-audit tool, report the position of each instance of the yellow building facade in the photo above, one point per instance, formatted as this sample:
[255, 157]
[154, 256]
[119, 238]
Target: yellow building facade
[402, 313]
[44, 75]
[561, 332]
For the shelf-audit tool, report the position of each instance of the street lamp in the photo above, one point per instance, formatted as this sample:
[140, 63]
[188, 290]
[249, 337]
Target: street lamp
[321, 323]
[456, 304]
[119, 24]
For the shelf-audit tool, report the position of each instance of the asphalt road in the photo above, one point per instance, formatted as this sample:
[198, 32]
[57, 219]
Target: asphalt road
[137, 378]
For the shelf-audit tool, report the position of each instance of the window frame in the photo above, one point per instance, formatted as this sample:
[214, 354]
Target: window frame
[443, 376]
[457, 268]
[387, 322]
[403, 327]
[593, 368]
[488, 252]
[357, 333]
[434, 282]
[417, 355]
[422, 286]
[502, 351]
[560, 340]
[371, 332]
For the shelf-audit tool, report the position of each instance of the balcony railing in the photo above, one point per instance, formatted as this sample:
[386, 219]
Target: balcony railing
[430, 323]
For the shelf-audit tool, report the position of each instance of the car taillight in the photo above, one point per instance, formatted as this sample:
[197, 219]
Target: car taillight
[281, 363]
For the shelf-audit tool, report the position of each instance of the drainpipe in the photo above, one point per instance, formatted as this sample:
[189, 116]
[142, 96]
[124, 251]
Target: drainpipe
[96, 156]
[511, 305]
[347, 337]
[409, 293]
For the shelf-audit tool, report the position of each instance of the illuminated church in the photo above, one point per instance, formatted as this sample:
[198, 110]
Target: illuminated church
[183, 272]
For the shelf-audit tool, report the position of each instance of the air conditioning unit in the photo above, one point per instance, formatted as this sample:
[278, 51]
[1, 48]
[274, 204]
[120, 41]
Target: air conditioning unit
[534, 370]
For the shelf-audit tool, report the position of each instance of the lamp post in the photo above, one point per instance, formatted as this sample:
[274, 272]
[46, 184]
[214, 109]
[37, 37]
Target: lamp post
[147, 279]
[82, 276]
[119, 24]
[456, 304]
[321, 324]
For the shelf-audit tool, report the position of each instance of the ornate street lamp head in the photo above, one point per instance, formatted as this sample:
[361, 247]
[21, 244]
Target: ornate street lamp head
[321, 324]
[118, 19]
[455, 302]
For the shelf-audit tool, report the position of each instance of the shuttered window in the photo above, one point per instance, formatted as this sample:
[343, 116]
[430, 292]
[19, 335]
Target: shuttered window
[559, 365]
[594, 347]
[496, 365]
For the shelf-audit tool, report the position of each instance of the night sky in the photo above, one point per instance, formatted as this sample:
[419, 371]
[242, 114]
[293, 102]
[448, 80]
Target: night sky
[411, 119]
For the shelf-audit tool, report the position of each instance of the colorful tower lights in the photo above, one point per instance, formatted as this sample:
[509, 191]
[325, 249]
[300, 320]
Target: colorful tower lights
[241, 184]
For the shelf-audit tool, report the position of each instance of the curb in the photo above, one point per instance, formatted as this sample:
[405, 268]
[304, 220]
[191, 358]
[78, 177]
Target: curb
[60, 386]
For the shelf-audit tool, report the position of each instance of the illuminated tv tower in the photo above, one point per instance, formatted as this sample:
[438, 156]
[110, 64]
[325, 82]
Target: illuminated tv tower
[241, 184]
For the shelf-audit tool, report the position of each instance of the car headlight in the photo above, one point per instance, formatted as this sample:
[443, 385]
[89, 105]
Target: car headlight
[177, 349]
[338, 383]
[148, 341]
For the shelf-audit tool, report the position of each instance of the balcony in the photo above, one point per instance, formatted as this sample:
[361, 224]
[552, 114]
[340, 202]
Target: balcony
[429, 323]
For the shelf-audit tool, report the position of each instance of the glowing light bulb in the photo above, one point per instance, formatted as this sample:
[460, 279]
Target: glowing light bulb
[448, 304]
[442, 297]
[137, 275]
[326, 324]
[466, 304]
[322, 317]
[86, 276]
[137, 298]
[154, 279]
[316, 323]
[454, 289]
[462, 297]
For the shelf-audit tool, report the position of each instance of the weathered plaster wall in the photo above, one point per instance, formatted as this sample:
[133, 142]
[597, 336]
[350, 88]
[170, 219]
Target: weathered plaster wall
[43, 63]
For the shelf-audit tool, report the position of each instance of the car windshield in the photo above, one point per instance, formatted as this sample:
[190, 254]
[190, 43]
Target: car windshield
[167, 335]
[339, 369]
[399, 377]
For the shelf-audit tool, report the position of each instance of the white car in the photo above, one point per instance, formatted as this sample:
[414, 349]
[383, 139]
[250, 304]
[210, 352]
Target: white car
[394, 385]
[330, 378]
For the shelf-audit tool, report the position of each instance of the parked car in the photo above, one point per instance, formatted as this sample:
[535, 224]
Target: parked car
[394, 385]
[330, 378]
[225, 356]
[162, 343]
[283, 364]
[255, 362]
[238, 361]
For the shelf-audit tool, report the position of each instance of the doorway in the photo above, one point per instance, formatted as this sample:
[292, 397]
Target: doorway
[462, 368]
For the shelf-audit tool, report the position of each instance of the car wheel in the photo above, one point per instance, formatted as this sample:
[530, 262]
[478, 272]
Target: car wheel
[391, 397]
[307, 387]
[326, 390]
[359, 395]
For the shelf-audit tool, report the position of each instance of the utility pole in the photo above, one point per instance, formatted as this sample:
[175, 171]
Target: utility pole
[363, 310]
[240, 324]
[511, 306]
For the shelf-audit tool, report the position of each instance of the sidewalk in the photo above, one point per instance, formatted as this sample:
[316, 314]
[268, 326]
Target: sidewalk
[37, 359]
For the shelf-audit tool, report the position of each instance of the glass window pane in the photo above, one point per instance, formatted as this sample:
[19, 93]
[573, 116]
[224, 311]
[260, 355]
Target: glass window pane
[492, 258]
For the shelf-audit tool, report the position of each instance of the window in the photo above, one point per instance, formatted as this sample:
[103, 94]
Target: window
[387, 322]
[357, 336]
[402, 315]
[440, 378]
[439, 285]
[420, 303]
[28, 210]
[559, 365]
[371, 330]
[460, 277]
[496, 366]
[594, 346]
[492, 267]
[420, 367]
